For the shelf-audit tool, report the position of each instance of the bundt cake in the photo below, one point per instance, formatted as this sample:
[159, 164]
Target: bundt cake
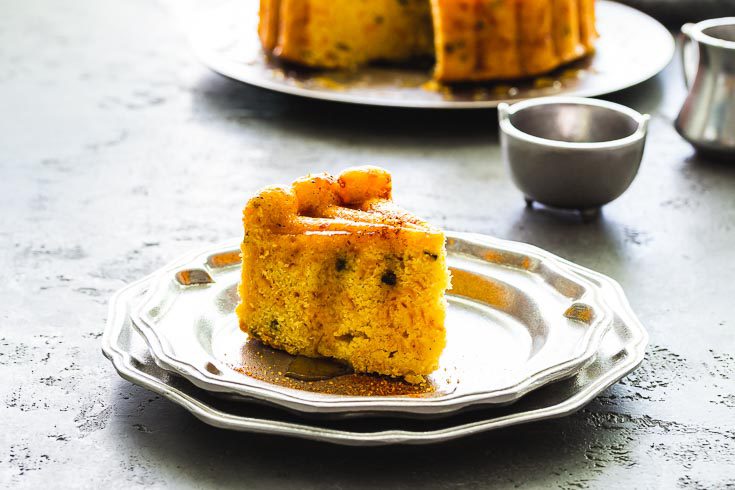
[471, 40]
[331, 267]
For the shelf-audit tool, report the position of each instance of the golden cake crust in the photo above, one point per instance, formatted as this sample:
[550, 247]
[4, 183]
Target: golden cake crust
[331, 267]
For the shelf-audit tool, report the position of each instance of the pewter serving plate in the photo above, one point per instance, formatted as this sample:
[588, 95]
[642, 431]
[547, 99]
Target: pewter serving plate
[518, 318]
[621, 351]
[632, 48]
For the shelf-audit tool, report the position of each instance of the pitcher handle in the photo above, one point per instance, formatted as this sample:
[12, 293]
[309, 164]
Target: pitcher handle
[687, 68]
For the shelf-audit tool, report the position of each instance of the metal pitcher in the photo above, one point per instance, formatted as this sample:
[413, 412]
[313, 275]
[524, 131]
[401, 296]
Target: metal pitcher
[707, 119]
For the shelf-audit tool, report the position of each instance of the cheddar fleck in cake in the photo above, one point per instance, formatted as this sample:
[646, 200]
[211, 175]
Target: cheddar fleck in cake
[331, 267]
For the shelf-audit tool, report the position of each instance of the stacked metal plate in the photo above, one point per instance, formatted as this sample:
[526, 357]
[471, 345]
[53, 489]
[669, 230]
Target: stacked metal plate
[529, 336]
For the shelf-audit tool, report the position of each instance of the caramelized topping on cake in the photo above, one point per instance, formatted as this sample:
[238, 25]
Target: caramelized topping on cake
[359, 200]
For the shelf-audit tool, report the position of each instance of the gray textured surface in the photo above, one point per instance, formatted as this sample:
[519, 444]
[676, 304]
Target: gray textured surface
[119, 152]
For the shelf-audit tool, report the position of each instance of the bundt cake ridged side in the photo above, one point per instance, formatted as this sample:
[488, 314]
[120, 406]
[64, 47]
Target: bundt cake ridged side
[505, 39]
[472, 40]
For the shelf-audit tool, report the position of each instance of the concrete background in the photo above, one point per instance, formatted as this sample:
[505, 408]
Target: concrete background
[119, 152]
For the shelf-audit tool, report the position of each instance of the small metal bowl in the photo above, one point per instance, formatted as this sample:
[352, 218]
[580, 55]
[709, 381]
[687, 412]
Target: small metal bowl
[572, 152]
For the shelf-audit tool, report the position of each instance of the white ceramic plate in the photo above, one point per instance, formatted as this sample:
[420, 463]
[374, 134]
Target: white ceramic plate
[518, 318]
[621, 351]
[632, 48]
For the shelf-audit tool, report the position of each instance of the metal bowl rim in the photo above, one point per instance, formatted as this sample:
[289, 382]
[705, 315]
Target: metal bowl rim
[506, 110]
[696, 32]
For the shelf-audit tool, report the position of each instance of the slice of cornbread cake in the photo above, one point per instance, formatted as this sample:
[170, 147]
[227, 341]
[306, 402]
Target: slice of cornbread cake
[331, 267]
